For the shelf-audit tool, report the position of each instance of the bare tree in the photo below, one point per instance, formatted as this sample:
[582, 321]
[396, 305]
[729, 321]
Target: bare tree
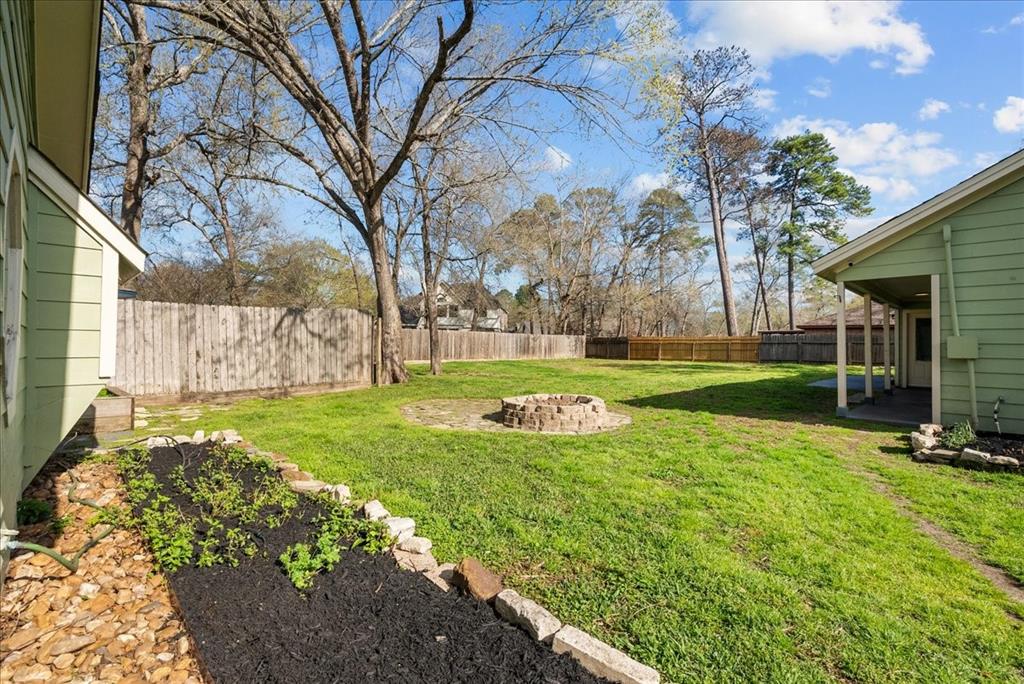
[148, 68]
[372, 92]
[702, 97]
[214, 182]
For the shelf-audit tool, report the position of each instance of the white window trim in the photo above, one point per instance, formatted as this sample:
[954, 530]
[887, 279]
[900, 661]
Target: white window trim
[12, 313]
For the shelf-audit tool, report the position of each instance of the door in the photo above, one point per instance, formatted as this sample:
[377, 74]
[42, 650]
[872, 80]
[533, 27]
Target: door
[919, 349]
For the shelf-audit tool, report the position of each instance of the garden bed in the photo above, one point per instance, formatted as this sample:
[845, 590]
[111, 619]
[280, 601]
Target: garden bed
[1000, 445]
[364, 620]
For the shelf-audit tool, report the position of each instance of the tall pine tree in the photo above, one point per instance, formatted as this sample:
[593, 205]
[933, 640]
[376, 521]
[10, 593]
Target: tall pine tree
[817, 198]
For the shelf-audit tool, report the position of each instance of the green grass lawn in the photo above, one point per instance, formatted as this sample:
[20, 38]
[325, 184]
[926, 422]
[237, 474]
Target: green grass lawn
[725, 535]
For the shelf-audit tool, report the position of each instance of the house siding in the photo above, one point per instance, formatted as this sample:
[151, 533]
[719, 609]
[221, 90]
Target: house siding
[988, 267]
[64, 325]
[16, 129]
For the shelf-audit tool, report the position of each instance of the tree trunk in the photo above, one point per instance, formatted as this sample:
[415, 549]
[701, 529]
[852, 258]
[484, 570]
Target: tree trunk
[790, 285]
[392, 365]
[434, 334]
[430, 277]
[717, 224]
[234, 284]
[137, 152]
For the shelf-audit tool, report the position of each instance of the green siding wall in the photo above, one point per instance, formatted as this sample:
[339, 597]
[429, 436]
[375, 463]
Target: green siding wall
[988, 268]
[16, 130]
[64, 324]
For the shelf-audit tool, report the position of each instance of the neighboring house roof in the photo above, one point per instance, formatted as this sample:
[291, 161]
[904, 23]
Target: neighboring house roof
[467, 295]
[475, 296]
[854, 319]
[899, 227]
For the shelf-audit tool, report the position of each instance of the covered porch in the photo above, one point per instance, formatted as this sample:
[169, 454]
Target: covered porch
[909, 390]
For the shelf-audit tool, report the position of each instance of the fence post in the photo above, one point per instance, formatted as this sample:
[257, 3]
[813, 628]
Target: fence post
[378, 350]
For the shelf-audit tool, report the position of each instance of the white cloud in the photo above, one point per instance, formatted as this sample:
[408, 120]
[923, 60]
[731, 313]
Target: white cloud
[881, 155]
[821, 87]
[644, 183]
[1016, 20]
[893, 188]
[777, 30]
[878, 64]
[880, 147]
[983, 160]
[764, 98]
[858, 225]
[1010, 117]
[555, 159]
[931, 109]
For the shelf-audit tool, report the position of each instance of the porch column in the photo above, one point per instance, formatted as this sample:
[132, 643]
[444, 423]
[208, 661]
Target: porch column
[841, 408]
[886, 360]
[898, 347]
[869, 385]
[936, 325]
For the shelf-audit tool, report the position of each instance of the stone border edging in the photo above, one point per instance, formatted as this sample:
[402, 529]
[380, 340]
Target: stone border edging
[414, 553]
[927, 449]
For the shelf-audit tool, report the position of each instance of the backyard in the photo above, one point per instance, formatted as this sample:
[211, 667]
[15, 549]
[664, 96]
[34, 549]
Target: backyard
[734, 531]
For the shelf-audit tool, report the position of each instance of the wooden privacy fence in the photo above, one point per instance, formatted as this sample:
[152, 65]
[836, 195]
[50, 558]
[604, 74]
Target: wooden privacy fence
[675, 348]
[475, 346]
[820, 347]
[188, 349]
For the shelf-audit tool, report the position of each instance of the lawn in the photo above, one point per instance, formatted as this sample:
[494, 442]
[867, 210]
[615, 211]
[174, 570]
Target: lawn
[728, 534]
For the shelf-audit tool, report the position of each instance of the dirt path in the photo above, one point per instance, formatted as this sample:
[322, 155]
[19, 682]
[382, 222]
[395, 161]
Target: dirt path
[999, 577]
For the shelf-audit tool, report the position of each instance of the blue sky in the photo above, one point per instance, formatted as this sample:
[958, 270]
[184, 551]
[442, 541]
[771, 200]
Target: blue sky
[907, 93]
[914, 96]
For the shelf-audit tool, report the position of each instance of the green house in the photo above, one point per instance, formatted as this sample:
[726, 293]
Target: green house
[61, 258]
[953, 270]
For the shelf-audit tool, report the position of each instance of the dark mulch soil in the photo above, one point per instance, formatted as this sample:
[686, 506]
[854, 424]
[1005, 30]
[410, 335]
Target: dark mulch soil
[368, 621]
[1000, 445]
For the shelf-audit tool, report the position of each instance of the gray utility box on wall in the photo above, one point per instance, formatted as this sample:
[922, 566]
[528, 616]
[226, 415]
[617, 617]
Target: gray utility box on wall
[961, 347]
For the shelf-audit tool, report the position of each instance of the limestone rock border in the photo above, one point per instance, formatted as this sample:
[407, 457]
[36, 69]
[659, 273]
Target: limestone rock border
[927, 449]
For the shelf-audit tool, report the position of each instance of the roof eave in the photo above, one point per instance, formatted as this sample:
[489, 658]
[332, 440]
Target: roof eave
[895, 229]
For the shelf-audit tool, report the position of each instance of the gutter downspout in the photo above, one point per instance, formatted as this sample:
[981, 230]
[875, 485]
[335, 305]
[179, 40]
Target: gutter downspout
[946, 235]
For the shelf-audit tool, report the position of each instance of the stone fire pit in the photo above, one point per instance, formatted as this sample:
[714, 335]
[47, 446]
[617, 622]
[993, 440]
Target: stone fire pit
[558, 413]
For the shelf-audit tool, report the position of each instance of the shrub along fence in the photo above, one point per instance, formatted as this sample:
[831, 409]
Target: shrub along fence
[171, 351]
[735, 348]
[819, 347]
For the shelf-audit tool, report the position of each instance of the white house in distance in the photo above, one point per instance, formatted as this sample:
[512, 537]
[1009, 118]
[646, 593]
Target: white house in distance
[460, 306]
[953, 269]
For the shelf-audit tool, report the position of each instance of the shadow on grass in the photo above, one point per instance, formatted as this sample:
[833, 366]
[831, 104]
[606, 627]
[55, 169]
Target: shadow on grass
[786, 399]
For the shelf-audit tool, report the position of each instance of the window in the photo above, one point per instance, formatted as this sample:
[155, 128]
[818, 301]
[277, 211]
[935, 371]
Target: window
[923, 339]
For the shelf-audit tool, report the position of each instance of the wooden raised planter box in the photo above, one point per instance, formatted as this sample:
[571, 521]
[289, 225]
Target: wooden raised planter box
[107, 414]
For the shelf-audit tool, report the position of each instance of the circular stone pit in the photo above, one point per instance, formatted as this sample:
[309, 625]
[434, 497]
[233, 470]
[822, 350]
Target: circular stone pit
[556, 413]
